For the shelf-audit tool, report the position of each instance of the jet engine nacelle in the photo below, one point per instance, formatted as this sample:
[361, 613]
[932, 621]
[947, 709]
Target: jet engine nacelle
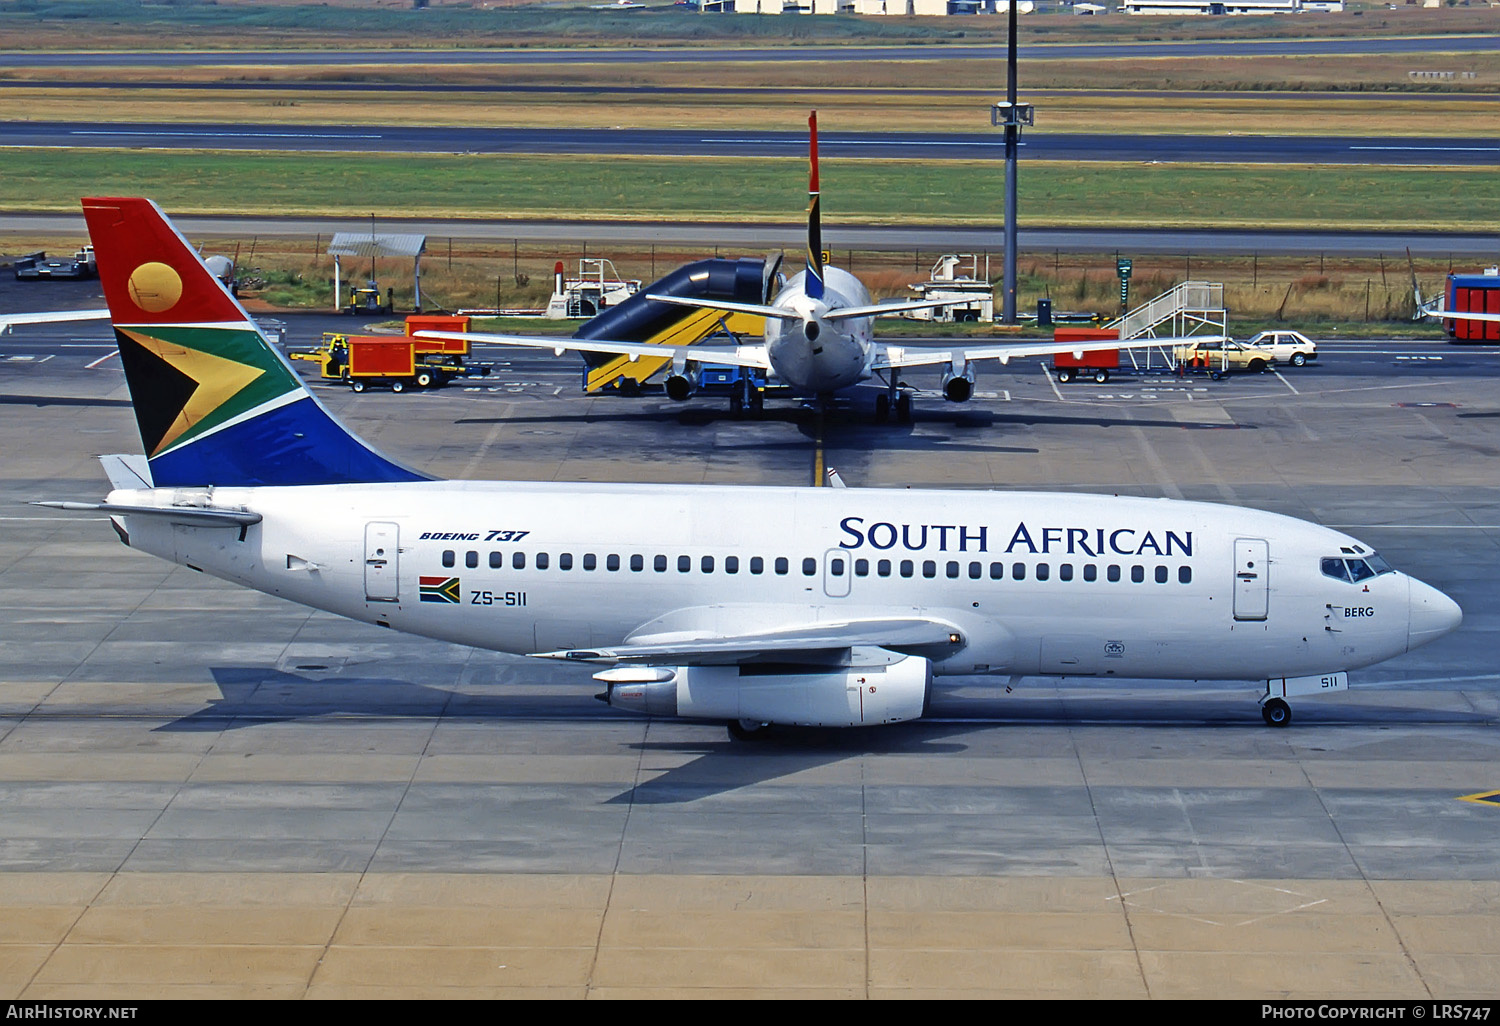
[843, 697]
[681, 385]
[958, 383]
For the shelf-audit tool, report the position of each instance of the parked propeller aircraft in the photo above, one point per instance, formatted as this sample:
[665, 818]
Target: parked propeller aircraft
[749, 605]
[819, 334]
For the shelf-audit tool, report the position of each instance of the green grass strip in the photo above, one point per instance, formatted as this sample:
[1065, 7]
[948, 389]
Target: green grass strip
[765, 189]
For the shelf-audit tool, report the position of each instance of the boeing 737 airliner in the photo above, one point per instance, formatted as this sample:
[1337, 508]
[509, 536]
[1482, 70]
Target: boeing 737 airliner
[748, 605]
[819, 335]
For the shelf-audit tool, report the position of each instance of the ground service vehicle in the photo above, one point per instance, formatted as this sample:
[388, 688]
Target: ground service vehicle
[1219, 356]
[397, 362]
[41, 266]
[1291, 347]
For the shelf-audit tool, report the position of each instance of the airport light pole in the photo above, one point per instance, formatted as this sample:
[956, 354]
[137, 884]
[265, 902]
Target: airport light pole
[1012, 116]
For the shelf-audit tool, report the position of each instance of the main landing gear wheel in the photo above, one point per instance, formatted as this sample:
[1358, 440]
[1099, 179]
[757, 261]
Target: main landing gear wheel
[749, 730]
[903, 408]
[1276, 713]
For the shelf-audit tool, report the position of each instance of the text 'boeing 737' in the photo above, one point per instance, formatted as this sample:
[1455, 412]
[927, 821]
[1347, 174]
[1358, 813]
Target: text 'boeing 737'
[746, 605]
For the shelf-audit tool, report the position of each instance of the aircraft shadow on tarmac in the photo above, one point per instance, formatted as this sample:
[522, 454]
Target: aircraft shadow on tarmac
[259, 695]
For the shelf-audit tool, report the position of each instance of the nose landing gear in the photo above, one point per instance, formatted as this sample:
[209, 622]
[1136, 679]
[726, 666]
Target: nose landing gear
[1276, 712]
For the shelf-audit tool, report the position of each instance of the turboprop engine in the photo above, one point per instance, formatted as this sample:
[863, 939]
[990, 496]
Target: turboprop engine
[851, 696]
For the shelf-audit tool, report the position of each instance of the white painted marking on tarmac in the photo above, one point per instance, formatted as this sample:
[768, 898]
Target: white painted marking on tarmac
[230, 135]
[1285, 382]
[1433, 149]
[106, 356]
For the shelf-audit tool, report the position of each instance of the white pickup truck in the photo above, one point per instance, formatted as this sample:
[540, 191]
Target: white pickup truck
[1291, 347]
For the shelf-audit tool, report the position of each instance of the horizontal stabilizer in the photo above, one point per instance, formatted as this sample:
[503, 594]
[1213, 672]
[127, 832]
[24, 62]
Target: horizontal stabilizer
[191, 516]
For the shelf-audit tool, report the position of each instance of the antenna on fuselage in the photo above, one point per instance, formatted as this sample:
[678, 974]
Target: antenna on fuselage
[814, 285]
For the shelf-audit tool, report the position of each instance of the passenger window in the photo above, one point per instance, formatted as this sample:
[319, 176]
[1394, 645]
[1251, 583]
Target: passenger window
[1184, 575]
[1090, 572]
[589, 561]
[835, 566]
[997, 571]
[471, 559]
[449, 558]
[810, 567]
[1018, 572]
[659, 564]
[637, 563]
[611, 562]
[1043, 571]
[518, 560]
[908, 568]
[757, 565]
[861, 568]
[782, 566]
[952, 568]
[976, 571]
[731, 564]
[565, 561]
[684, 564]
[1137, 574]
[1065, 572]
[1161, 575]
[883, 568]
[1113, 573]
[497, 560]
[929, 568]
[707, 564]
[541, 561]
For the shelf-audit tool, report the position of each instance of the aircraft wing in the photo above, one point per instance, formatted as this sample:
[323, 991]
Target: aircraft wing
[843, 313]
[735, 356]
[188, 516]
[888, 356]
[52, 316]
[895, 633]
[1462, 315]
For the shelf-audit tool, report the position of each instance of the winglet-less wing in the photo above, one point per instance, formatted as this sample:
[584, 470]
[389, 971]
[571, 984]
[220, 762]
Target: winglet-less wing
[52, 317]
[896, 356]
[1462, 315]
[734, 356]
[899, 634]
[838, 313]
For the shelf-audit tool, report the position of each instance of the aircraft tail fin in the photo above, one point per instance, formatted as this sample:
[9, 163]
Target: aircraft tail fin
[216, 403]
[814, 286]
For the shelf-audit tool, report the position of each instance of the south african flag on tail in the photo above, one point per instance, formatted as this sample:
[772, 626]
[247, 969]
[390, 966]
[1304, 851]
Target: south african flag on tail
[440, 589]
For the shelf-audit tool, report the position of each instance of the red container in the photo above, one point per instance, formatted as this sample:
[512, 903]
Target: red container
[381, 357]
[1099, 359]
[439, 322]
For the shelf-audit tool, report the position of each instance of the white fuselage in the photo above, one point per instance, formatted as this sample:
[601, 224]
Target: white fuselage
[1037, 583]
[813, 355]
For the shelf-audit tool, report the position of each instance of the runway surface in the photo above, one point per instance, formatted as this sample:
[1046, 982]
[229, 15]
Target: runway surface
[1477, 43]
[205, 792]
[1475, 246]
[1037, 145]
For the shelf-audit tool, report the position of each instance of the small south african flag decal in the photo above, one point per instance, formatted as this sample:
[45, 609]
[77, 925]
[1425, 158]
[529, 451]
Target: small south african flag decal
[440, 589]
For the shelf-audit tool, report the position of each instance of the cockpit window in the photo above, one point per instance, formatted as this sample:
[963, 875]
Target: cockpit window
[1342, 568]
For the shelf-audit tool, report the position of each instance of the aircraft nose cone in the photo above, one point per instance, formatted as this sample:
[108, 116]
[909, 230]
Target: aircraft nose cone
[1433, 614]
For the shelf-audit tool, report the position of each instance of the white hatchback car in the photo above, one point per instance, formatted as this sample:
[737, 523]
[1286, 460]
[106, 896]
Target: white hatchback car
[1291, 347]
